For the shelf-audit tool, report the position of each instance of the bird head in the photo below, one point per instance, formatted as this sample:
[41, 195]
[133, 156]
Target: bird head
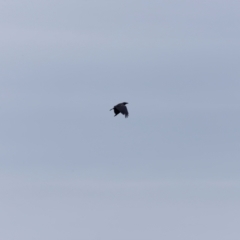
[125, 103]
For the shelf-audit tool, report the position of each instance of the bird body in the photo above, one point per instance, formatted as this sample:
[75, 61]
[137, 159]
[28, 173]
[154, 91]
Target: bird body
[121, 108]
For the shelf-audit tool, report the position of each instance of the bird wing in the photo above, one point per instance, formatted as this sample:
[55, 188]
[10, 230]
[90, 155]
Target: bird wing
[122, 109]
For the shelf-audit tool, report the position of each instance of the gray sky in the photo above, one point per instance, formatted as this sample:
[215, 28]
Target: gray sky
[70, 170]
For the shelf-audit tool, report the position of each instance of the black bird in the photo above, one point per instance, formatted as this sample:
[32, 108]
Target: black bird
[120, 108]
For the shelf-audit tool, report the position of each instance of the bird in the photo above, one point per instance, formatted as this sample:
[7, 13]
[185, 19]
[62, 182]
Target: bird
[120, 108]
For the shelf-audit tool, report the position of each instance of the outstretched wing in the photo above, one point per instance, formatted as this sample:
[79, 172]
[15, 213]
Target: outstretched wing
[122, 109]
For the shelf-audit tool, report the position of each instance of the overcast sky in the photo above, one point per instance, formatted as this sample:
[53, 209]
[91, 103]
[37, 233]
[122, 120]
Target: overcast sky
[70, 170]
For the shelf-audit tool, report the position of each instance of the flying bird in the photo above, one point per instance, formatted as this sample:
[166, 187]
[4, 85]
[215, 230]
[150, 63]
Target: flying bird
[120, 108]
